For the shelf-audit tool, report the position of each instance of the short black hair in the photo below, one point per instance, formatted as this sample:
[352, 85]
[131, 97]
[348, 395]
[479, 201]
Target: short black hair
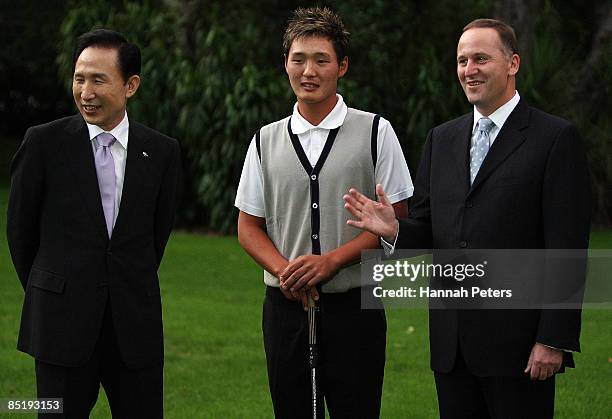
[128, 53]
[317, 21]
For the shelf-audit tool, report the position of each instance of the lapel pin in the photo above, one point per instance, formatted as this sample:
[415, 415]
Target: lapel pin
[144, 153]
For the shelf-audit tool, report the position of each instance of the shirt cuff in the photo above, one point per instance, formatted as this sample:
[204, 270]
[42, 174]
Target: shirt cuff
[388, 247]
[552, 347]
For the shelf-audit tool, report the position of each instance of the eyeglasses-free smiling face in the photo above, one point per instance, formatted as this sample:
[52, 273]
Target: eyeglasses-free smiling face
[98, 87]
[313, 70]
[486, 72]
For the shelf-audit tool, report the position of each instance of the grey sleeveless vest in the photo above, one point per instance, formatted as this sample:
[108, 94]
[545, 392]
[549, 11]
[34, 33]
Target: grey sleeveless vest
[304, 209]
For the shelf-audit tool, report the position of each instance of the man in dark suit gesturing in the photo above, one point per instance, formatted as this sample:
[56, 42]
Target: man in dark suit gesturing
[505, 176]
[91, 208]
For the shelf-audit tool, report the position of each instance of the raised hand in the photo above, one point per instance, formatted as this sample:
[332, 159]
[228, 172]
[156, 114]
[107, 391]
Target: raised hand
[376, 217]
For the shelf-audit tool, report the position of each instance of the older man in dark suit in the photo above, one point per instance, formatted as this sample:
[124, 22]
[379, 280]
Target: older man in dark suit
[505, 176]
[91, 208]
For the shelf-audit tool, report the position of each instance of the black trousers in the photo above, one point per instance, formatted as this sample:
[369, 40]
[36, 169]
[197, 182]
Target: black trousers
[130, 393]
[463, 395]
[351, 348]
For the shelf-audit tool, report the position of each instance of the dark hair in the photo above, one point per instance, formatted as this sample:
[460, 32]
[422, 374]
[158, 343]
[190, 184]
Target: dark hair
[316, 21]
[505, 31]
[127, 53]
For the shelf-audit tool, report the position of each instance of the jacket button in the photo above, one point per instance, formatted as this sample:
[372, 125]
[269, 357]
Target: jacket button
[315, 205]
[469, 204]
[315, 236]
[463, 243]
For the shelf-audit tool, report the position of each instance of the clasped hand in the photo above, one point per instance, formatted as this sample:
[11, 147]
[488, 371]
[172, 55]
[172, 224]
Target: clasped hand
[307, 271]
[300, 276]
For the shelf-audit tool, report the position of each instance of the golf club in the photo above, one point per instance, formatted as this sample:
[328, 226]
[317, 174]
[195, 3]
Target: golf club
[312, 350]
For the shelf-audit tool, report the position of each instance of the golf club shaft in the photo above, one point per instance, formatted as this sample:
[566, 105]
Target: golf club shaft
[312, 351]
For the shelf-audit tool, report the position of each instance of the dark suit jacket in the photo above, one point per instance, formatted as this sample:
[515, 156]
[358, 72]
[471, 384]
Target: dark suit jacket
[65, 261]
[532, 192]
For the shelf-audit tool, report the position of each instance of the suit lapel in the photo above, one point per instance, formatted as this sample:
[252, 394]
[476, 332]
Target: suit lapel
[135, 174]
[78, 147]
[460, 149]
[508, 139]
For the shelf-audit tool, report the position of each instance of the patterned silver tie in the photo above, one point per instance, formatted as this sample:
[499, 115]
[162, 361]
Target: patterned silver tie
[105, 169]
[480, 146]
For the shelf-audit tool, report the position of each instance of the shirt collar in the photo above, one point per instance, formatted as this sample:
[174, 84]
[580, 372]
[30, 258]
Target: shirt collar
[120, 132]
[333, 120]
[501, 114]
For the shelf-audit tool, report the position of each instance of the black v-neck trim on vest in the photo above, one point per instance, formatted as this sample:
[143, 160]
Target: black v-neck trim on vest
[297, 146]
[313, 173]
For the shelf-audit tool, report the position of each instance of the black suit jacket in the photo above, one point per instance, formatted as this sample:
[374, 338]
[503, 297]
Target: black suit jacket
[65, 261]
[531, 192]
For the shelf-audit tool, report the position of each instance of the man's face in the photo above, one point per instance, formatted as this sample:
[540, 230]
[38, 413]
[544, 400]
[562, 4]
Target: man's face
[99, 90]
[313, 69]
[485, 71]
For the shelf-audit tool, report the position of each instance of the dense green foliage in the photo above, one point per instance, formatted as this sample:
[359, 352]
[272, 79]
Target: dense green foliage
[30, 90]
[208, 80]
[213, 73]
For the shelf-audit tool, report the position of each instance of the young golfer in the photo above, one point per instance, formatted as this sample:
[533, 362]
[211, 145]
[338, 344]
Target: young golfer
[293, 223]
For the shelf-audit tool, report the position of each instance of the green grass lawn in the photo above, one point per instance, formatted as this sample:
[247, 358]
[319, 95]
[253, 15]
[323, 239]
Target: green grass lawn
[215, 367]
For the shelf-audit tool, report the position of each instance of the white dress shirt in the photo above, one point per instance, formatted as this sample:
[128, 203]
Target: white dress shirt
[498, 117]
[118, 151]
[391, 168]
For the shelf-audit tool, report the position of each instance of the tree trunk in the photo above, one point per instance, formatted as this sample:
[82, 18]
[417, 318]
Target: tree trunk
[522, 16]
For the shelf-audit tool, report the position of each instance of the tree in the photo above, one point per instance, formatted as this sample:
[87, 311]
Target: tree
[213, 73]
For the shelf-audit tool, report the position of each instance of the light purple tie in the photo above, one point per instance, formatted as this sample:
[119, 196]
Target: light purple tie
[105, 169]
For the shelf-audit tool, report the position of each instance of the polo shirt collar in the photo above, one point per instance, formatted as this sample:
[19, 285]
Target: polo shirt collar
[333, 120]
